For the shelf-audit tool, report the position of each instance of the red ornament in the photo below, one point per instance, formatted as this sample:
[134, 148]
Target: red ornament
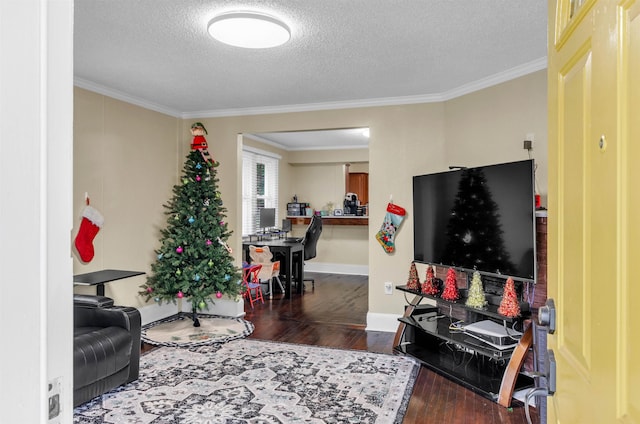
[180, 295]
[149, 289]
[509, 305]
[428, 287]
[218, 295]
[450, 291]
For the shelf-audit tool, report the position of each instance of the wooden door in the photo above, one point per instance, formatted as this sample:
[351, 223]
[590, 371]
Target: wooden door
[359, 184]
[594, 235]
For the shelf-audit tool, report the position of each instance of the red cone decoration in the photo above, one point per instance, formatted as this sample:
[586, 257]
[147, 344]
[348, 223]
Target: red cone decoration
[428, 287]
[509, 306]
[450, 291]
[413, 283]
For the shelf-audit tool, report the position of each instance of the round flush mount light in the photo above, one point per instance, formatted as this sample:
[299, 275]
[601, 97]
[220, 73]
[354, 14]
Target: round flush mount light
[249, 30]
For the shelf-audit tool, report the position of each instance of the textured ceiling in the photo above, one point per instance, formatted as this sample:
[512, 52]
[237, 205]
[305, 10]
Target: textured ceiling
[343, 53]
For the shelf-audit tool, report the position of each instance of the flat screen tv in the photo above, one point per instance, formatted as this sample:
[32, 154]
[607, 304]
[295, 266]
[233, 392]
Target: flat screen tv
[480, 218]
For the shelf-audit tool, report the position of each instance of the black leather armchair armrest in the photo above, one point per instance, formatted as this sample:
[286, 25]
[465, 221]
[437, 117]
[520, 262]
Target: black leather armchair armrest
[92, 300]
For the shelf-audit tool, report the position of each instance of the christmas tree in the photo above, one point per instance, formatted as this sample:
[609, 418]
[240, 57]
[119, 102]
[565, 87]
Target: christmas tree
[509, 305]
[194, 261]
[429, 286]
[474, 233]
[413, 283]
[450, 291]
[476, 297]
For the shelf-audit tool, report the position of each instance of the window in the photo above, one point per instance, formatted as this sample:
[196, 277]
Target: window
[259, 186]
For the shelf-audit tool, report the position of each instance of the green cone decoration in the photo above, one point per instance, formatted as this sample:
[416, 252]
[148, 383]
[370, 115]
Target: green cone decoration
[476, 297]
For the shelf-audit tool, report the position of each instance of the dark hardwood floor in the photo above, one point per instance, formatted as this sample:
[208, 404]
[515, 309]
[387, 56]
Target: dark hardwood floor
[334, 314]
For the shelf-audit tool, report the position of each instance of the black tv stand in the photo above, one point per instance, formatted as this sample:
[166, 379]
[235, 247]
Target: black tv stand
[490, 372]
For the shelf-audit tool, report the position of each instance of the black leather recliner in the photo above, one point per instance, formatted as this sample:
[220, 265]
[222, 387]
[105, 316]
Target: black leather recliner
[106, 346]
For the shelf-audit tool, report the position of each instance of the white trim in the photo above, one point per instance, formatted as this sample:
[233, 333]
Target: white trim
[260, 151]
[509, 74]
[382, 322]
[224, 307]
[154, 312]
[119, 95]
[93, 215]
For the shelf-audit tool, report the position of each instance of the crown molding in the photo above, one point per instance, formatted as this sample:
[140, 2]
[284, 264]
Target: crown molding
[478, 85]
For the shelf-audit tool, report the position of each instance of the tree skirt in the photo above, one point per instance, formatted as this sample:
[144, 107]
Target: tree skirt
[253, 381]
[178, 330]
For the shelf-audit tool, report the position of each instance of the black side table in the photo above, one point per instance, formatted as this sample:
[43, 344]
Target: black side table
[99, 278]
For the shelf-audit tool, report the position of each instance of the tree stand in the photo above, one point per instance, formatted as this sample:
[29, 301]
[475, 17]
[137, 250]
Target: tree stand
[194, 315]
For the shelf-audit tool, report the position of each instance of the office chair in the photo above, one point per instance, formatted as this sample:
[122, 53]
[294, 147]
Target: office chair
[310, 241]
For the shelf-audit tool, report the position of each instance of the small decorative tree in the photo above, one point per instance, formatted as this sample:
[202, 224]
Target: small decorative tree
[476, 297]
[413, 283]
[509, 305]
[194, 261]
[429, 286]
[450, 291]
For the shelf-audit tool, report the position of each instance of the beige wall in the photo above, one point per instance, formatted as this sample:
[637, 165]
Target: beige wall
[480, 128]
[126, 158]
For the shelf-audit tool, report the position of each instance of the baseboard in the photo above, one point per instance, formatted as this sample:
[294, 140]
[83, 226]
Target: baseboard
[222, 307]
[382, 322]
[329, 268]
[154, 312]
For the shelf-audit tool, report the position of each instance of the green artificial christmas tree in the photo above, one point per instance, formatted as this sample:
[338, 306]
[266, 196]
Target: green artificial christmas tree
[476, 298]
[194, 261]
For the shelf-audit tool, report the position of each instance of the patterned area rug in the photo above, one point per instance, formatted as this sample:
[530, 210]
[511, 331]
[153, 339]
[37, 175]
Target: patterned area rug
[253, 381]
[178, 330]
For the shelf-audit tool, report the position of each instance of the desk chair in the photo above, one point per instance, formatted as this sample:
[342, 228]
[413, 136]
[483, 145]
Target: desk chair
[270, 269]
[253, 288]
[310, 241]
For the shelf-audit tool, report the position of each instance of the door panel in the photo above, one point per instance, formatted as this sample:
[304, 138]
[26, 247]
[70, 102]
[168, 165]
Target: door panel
[629, 352]
[594, 151]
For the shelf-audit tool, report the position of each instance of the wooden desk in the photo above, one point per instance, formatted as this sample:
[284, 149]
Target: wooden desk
[290, 251]
[99, 278]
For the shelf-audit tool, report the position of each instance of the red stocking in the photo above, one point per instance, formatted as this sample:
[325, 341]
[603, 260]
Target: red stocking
[92, 221]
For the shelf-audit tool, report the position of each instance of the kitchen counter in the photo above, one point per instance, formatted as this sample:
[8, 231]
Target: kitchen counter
[332, 220]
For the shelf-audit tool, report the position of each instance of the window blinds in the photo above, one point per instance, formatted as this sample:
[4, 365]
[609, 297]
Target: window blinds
[259, 186]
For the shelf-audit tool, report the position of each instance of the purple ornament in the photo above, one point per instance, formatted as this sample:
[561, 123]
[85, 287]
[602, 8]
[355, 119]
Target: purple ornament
[198, 178]
[179, 249]
[209, 242]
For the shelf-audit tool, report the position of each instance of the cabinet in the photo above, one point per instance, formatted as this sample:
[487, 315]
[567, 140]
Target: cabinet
[359, 184]
[491, 372]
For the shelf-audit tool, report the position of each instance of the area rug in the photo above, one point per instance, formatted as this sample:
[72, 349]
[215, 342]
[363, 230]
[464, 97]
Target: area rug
[254, 381]
[178, 330]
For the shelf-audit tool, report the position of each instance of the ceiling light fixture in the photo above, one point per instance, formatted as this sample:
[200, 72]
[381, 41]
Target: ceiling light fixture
[249, 30]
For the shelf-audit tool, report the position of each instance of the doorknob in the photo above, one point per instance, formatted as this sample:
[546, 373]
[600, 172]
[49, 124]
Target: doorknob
[547, 316]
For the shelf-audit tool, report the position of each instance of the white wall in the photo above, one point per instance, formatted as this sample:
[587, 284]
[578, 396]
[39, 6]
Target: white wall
[36, 101]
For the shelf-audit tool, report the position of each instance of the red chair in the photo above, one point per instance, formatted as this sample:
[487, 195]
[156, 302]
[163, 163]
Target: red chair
[253, 289]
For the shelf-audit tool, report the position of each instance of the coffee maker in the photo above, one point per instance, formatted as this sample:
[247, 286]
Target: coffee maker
[350, 203]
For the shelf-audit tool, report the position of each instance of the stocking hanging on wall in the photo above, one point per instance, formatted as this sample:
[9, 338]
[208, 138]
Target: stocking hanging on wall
[392, 220]
[92, 221]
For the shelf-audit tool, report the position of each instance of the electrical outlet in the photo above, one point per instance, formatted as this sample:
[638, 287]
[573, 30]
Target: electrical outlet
[388, 287]
[529, 140]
